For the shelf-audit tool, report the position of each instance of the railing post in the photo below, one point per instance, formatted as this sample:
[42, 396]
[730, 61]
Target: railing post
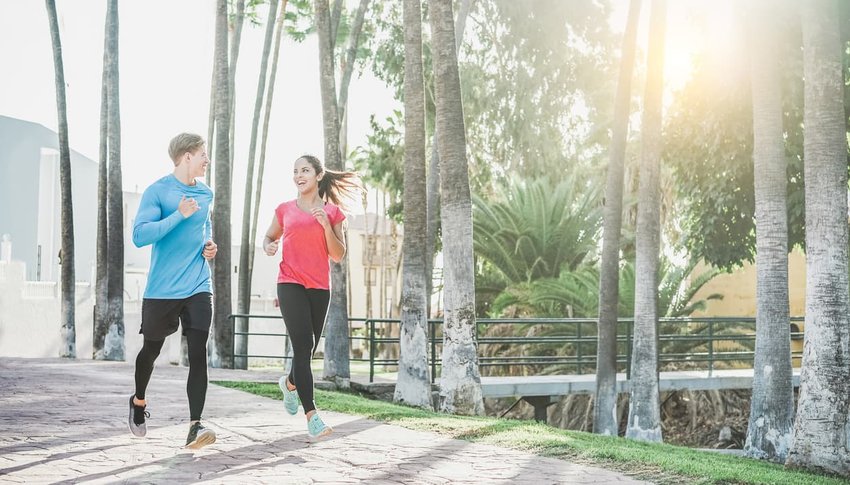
[371, 325]
[578, 350]
[629, 326]
[233, 343]
[710, 347]
[433, 352]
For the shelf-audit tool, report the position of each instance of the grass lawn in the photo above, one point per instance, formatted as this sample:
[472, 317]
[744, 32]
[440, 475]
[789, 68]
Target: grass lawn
[659, 463]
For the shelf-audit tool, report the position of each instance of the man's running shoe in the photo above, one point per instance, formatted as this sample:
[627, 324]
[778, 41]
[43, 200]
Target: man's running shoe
[199, 436]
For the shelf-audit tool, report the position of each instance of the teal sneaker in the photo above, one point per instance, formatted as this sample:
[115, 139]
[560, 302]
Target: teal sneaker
[317, 428]
[290, 398]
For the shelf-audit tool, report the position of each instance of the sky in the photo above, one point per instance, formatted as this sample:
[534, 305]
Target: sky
[166, 52]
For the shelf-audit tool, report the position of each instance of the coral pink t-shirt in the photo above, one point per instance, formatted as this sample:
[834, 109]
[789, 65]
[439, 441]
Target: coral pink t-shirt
[304, 258]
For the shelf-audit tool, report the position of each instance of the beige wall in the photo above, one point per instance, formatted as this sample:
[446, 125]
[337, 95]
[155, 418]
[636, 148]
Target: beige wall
[739, 290]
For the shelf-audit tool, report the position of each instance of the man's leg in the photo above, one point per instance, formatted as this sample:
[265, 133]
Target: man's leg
[196, 385]
[144, 367]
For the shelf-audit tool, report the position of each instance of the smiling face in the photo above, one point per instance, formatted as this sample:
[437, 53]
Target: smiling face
[196, 162]
[304, 176]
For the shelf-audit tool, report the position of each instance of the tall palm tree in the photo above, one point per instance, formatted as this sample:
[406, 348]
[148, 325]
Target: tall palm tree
[460, 381]
[67, 313]
[236, 39]
[243, 299]
[772, 404]
[821, 427]
[266, 118]
[222, 325]
[113, 346]
[101, 305]
[605, 402]
[414, 383]
[644, 406]
[433, 179]
[336, 366]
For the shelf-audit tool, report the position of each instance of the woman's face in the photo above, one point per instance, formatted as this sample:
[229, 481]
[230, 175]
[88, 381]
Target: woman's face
[304, 176]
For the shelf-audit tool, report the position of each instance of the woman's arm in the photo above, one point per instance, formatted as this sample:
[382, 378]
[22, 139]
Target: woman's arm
[272, 237]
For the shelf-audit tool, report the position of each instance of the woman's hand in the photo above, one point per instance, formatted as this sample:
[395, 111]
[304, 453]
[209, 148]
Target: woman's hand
[322, 217]
[270, 247]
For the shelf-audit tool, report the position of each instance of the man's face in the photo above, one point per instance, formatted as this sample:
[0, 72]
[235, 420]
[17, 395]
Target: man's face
[197, 162]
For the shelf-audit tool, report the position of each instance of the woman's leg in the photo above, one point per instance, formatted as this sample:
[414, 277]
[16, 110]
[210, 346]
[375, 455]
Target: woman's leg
[295, 308]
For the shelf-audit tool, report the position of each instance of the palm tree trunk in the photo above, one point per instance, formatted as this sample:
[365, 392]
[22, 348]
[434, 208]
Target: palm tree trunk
[238, 21]
[336, 15]
[605, 402]
[243, 301]
[67, 312]
[266, 117]
[222, 324]
[460, 382]
[211, 129]
[414, 382]
[772, 404]
[337, 362]
[821, 428]
[101, 297]
[433, 178]
[350, 58]
[644, 406]
[113, 347]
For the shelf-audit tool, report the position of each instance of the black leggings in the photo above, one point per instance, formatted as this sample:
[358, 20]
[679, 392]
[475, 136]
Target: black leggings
[304, 312]
[196, 385]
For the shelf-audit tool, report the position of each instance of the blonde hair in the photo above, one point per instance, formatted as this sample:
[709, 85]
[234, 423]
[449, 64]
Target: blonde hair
[338, 188]
[182, 143]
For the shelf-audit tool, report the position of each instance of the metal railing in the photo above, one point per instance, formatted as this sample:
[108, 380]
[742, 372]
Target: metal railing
[563, 345]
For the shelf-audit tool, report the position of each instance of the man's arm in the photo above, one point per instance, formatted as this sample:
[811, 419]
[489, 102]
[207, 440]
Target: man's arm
[150, 227]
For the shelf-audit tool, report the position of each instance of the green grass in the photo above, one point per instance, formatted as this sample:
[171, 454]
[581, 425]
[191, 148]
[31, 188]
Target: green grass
[659, 463]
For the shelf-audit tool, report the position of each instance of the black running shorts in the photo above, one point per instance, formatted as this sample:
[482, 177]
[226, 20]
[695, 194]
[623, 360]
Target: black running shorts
[161, 317]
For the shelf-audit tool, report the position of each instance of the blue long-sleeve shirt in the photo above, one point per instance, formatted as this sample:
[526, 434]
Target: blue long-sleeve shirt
[178, 268]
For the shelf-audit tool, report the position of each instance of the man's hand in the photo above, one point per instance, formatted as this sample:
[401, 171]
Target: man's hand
[210, 250]
[187, 207]
[271, 248]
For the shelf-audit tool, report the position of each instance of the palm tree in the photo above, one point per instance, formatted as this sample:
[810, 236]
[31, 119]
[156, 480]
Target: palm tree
[414, 383]
[772, 404]
[101, 305]
[644, 406]
[236, 39]
[113, 346]
[531, 230]
[460, 381]
[222, 325]
[67, 330]
[605, 402]
[821, 427]
[337, 362]
[433, 179]
[243, 301]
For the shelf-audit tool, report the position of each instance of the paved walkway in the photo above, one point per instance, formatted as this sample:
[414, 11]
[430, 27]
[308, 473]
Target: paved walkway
[65, 422]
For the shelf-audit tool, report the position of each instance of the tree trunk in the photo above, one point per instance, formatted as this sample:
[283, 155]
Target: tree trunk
[644, 406]
[414, 381]
[433, 178]
[336, 366]
[243, 301]
[222, 324]
[772, 403]
[460, 382]
[336, 15]
[234, 57]
[350, 58]
[101, 296]
[821, 428]
[211, 129]
[605, 403]
[266, 117]
[67, 284]
[113, 346]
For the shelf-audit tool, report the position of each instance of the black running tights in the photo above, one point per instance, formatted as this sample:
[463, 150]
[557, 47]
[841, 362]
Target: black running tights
[196, 385]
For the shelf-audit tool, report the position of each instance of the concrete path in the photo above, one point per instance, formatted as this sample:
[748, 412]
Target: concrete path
[64, 421]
